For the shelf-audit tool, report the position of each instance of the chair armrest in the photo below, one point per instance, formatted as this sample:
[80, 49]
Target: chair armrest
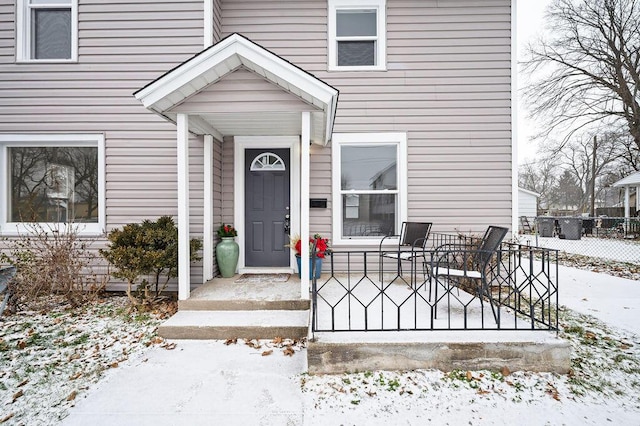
[382, 241]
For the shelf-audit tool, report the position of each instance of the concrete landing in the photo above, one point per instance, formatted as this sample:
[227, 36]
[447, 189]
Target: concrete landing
[226, 324]
[332, 353]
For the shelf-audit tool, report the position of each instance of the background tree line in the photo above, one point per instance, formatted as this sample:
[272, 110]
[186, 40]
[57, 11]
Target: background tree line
[584, 90]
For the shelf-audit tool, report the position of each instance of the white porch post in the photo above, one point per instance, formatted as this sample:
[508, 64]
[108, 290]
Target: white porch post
[207, 240]
[627, 210]
[637, 199]
[305, 140]
[184, 276]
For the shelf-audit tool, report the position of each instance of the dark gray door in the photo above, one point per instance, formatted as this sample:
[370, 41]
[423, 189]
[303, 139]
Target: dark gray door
[266, 203]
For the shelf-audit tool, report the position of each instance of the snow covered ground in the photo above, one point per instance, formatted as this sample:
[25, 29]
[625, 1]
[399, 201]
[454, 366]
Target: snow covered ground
[114, 371]
[48, 359]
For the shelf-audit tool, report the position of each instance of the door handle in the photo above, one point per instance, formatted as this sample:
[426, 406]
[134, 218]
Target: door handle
[287, 223]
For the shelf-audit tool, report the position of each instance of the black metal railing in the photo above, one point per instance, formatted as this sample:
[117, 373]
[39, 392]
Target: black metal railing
[357, 292]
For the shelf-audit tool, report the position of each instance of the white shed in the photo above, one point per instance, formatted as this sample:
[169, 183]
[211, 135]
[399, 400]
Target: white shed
[527, 203]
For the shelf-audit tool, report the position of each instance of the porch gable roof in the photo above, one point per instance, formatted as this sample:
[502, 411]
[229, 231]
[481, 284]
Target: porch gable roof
[224, 57]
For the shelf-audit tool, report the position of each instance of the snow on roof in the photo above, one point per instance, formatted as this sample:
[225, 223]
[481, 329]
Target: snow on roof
[526, 191]
[631, 180]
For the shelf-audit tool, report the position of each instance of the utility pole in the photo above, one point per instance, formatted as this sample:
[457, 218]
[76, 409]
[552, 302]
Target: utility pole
[593, 178]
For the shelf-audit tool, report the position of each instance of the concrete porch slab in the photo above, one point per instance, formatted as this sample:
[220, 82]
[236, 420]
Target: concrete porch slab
[227, 294]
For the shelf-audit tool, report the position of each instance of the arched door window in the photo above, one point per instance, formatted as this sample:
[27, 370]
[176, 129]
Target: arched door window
[267, 161]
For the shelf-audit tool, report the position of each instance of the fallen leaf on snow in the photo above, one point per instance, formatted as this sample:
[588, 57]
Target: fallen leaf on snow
[22, 383]
[75, 376]
[266, 353]
[17, 395]
[5, 418]
[230, 342]
[155, 341]
[169, 346]
[289, 351]
[252, 344]
[72, 396]
[277, 340]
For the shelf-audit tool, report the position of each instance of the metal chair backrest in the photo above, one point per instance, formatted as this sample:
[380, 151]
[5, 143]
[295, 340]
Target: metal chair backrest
[489, 244]
[415, 234]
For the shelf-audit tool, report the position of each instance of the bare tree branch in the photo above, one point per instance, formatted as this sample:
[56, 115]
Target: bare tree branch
[587, 70]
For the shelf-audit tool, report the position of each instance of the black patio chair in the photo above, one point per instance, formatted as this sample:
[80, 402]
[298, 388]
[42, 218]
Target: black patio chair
[467, 267]
[411, 246]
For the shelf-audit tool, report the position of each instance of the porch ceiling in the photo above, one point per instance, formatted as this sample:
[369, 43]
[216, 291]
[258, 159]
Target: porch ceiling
[217, 61]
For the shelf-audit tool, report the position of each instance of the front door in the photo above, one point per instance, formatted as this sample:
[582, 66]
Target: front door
[267, 183]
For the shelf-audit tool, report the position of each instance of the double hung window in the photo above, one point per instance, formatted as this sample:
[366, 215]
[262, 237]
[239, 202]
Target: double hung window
[369, 185]
[357, 39]
[47, 30]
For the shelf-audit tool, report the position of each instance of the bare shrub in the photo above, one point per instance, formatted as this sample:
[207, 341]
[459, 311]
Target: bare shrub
[52, 262]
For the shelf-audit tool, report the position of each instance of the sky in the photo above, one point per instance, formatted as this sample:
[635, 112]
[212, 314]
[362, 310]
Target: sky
[529, 19]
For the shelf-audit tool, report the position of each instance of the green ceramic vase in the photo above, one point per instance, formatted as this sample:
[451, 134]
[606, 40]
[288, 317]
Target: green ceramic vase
[227, 252]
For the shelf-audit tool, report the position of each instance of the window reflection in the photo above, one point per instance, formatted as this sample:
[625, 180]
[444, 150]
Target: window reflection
[54, 184]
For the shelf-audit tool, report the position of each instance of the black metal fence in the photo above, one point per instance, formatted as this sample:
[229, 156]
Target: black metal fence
[358, 292]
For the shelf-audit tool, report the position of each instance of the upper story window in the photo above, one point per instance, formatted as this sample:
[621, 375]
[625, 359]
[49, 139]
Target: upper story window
[52, 179]
[47, 30]
[357, 35]
[369, 186]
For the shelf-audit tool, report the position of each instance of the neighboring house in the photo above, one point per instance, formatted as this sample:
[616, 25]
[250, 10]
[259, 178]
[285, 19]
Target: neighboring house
[243, 110]
[628, 183]
[527, 203]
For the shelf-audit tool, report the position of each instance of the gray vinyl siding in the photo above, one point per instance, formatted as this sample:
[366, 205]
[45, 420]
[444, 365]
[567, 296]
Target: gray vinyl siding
[240, 91]
[447, 85]
[123, 45]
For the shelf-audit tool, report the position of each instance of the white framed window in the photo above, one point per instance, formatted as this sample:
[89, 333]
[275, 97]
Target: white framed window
[357, 35]
[52, 179]
[47, 30]
[369, 186]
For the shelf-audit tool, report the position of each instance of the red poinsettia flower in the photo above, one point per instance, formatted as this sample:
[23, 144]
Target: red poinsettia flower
[322, 245]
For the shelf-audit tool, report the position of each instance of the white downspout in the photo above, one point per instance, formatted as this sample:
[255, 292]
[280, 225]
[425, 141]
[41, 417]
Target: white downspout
[207, 240]
[514, 122]
[305, 140]
[184, 273]
[208, 23]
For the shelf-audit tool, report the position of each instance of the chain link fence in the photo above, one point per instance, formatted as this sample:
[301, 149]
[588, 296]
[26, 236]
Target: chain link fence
[609, 238]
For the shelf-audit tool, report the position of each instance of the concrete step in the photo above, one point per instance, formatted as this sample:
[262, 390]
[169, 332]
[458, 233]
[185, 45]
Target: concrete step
[195, 304]
[250, 324]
